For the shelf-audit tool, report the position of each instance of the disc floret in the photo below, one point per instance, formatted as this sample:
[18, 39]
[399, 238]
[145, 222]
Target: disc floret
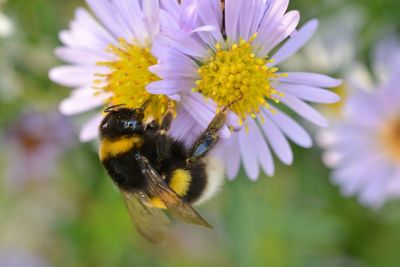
[236, 75]
[128, 77]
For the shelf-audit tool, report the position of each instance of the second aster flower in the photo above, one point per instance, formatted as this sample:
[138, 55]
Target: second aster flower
[363, 146]
[213, 56]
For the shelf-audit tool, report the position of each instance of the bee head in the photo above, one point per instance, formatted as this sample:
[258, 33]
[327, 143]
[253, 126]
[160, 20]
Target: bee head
[121, 121]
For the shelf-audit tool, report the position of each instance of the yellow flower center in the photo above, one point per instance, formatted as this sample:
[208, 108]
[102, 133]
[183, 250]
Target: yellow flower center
[390, 139]
[238, 79]
[128, 78]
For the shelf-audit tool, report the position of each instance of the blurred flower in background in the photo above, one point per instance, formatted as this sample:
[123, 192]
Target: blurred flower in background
[6, 25]
[33, 145]
[335, 43]
[29, 222]
[209, 70]
[364, 146]
[8, 82]
[19, 258]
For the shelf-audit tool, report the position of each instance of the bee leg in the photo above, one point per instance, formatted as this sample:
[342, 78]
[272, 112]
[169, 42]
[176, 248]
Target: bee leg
[209, 137]
[162, 144]
[154, 126]
[168, 117]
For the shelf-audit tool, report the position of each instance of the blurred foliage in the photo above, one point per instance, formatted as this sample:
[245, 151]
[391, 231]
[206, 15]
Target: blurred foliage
[296, 219]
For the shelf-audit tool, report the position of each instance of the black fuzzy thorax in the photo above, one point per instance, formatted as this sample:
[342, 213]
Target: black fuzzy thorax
[126, 173]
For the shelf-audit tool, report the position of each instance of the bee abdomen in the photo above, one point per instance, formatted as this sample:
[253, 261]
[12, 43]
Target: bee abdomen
[201, 181]
[214, 179]
[198, 182]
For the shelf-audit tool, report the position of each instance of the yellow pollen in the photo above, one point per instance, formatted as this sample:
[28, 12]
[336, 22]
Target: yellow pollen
[128, 78]
[238, 76]
[390, 139]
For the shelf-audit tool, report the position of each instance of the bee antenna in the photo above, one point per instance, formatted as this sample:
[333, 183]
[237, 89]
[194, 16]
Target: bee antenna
[113, 108]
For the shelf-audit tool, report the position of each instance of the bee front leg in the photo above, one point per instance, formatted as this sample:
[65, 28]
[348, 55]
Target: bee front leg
[168, 117]
[162, 144]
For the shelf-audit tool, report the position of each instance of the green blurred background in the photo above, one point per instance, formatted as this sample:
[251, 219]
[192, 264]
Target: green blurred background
[64, 211]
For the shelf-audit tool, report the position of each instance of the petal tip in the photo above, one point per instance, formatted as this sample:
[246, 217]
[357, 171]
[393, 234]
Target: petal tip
[53, 74]
[314, 23]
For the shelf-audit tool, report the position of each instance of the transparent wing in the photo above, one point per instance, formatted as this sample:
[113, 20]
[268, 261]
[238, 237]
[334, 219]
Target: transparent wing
[152, 223]
[175, 204]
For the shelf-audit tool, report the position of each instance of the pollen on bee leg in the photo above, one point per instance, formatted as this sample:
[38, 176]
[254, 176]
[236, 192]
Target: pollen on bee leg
[156, 202]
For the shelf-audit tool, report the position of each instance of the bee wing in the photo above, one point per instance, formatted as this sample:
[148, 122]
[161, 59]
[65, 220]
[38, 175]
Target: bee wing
[176, 205]
[152, 223]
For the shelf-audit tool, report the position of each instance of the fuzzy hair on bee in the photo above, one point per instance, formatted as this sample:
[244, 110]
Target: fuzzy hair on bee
[156, 172]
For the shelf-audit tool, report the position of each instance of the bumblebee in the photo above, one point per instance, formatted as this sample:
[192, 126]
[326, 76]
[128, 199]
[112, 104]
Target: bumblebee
[156, 172]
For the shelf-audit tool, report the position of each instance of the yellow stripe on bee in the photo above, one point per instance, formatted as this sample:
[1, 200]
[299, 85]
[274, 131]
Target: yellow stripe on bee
[180, 181]
[110, 148]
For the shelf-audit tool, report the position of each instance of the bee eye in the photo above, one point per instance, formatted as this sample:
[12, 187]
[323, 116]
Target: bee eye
[137, 156]
[131, 124]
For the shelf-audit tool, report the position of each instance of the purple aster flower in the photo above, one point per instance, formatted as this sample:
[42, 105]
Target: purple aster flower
[33, 146]
[363, 147]
[108, 59]
[20, 258]
[213, 56]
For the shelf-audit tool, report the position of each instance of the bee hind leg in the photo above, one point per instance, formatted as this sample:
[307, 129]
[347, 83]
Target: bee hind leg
[209, 137]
